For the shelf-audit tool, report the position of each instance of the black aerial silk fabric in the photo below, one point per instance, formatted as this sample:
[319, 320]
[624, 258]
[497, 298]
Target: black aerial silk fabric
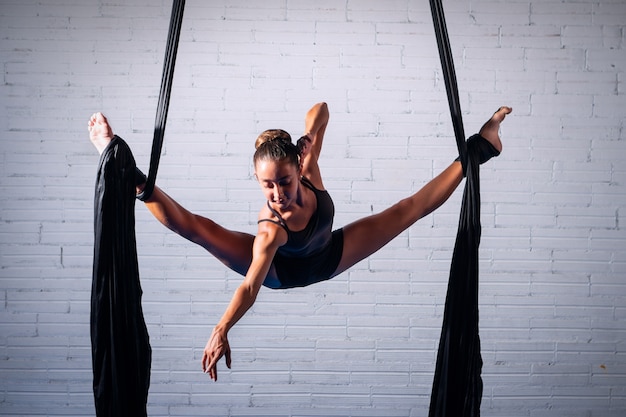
[457, 385]
[121, 353]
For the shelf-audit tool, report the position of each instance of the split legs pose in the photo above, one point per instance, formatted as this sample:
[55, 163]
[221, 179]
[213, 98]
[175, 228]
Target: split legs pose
[362, 238]
[252, 256]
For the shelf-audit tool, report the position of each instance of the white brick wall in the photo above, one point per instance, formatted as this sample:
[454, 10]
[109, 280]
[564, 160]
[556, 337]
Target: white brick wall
[553, 284]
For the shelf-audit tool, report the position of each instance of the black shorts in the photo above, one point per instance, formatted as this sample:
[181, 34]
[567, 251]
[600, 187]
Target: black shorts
[303, 271]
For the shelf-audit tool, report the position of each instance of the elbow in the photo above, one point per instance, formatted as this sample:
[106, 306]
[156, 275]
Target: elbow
[325, 112]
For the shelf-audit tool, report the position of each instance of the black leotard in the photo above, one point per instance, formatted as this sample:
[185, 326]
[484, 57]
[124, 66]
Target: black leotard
[310, 255]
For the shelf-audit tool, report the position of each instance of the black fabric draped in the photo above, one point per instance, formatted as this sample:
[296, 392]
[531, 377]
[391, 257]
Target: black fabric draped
[457, 384]
[121, 353]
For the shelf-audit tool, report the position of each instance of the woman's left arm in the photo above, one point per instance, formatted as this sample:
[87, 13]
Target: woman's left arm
[315, 123]
[266, 243]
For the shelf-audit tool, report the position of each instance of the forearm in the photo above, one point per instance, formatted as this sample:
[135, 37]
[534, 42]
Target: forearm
[218, 345]
[242, 301]
[264, 249]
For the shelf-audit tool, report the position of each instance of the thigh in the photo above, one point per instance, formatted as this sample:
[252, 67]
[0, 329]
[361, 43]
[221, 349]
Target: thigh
[232, 248]
[366, 236]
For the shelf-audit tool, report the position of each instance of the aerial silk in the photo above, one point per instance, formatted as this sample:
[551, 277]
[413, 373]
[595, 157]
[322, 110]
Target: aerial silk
[121, 353]
[457, 384]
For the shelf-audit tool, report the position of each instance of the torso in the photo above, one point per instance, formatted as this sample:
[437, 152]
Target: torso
[299, 214]
[308, 225]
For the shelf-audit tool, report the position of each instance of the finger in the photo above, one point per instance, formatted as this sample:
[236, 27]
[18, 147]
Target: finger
[211, 366]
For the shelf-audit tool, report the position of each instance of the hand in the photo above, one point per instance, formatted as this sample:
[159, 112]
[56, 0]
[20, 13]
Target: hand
[100, 132]
[304, 145]
[216, 347]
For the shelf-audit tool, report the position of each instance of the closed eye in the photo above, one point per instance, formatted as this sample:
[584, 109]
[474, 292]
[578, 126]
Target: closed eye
[281, 183]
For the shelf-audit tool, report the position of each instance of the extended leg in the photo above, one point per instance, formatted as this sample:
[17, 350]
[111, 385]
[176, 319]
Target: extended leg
[233, 249]
[366, 236]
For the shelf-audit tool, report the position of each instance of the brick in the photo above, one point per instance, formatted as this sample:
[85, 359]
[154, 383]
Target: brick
[609, 13]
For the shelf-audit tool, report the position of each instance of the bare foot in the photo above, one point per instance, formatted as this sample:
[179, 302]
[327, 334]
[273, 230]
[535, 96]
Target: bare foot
[100, 132]
[491, 129]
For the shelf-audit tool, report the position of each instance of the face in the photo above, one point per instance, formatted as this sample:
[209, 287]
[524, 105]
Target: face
[279, 181]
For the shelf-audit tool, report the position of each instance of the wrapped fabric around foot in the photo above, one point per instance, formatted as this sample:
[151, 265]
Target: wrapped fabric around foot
[482, 147]
[121, 353]
[457, 386]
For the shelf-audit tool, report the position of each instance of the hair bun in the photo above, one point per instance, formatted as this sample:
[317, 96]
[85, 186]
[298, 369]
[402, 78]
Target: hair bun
[272, 135]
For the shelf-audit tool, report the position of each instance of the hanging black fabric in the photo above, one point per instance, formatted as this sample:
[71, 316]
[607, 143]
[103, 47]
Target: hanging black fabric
[457, 384]
[449, 76]
[163, 104]
[121, 353]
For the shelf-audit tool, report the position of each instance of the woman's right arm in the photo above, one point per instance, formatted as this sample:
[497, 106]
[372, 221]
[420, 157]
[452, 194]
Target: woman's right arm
[267, 241]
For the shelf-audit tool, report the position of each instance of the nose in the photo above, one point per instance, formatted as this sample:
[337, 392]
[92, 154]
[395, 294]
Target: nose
[278, 193]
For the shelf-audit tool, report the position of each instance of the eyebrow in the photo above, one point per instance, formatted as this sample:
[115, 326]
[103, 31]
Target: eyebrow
[277, 180]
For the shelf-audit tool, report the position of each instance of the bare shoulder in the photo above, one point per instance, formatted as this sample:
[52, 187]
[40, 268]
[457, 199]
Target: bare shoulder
[269, 228]
[270, 234]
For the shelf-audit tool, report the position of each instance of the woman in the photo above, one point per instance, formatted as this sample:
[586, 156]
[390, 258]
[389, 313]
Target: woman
[294, 245]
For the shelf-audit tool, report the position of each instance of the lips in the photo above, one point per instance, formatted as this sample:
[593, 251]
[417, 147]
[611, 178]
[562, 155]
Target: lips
[282, 202]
